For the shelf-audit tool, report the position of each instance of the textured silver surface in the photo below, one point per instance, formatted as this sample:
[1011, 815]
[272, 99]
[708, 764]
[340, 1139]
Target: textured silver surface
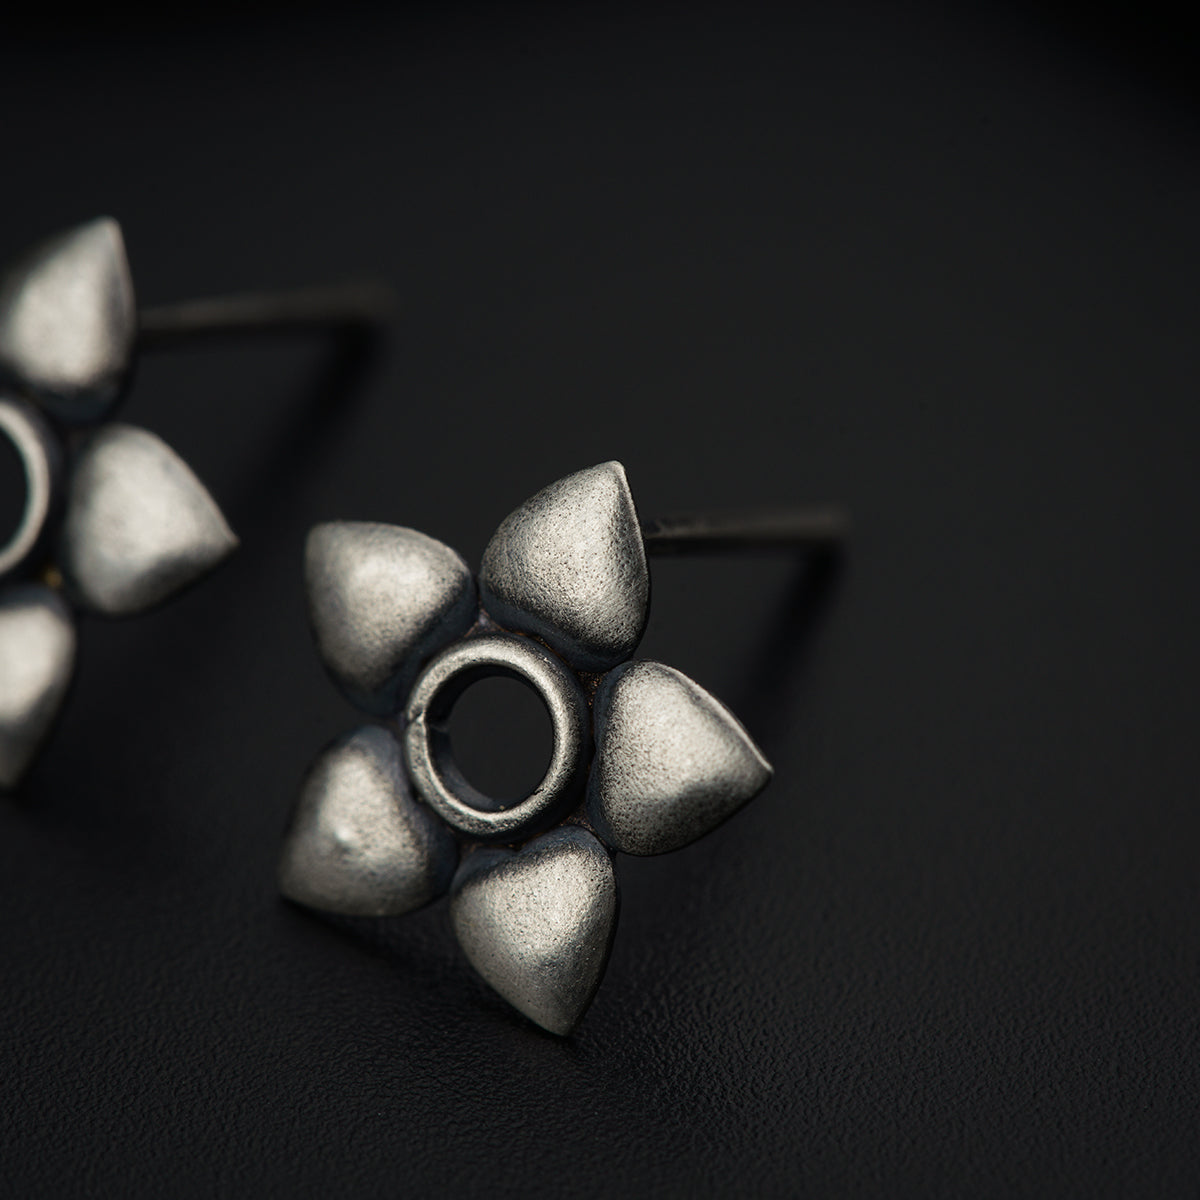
[537, 923]
[139, 525]
[429, 754]
[569, 566]
[37, 657]
[671, 761]
[68, 320]
[359, 843]
[396, 615]
[41, 459]
[381, 599]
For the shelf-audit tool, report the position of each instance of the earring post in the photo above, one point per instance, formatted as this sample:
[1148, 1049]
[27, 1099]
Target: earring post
[820, 528]
[343, 306]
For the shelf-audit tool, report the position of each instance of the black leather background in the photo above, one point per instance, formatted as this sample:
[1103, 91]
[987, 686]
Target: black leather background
[939, 264]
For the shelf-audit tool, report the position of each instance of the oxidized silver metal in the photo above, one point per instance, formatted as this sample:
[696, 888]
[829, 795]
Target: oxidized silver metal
[41, 461]
[380, 600]
[671, 761]
[68, 321]
[37, 659]
[126, 524]
[563, 593]
[362, 845]
[569, 567]
[430, 758]
[538, 923]
[139, 526]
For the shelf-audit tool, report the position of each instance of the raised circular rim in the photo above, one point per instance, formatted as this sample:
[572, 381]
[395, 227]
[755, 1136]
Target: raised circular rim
[430, 759]
[38, 451]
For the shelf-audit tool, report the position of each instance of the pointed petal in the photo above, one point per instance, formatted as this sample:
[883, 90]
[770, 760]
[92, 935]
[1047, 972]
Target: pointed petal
[569, 565]
[359, 843]
[139, 526]
[381, 600]
[68, 320]
[671, 761]
[537, 924]
[37, 659]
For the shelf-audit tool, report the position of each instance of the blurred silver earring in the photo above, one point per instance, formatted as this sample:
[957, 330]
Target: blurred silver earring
[113, 522]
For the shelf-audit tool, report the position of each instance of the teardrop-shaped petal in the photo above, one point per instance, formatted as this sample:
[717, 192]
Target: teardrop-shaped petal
[569, 566]
[671, 761]
[37, 659]
[359, 843]
[139, 526]
[537, 923]
[381, 600]
[68, 320]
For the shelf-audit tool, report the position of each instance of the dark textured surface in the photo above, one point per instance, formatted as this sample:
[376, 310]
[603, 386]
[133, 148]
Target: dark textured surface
[940, 265]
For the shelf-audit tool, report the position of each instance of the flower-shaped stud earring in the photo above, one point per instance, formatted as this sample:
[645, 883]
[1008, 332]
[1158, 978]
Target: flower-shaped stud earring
[113, 521]
[644, 760]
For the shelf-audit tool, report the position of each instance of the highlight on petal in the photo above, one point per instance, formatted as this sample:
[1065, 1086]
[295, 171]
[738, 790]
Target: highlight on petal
[569, 566]
[537, 923]
[68, 320]
[139, 525]
[37, 659]
[671, 761]
[382, 599]
[359, 844]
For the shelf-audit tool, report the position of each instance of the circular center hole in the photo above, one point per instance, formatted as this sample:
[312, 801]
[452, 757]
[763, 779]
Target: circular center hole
[501, 738]
[13, 489]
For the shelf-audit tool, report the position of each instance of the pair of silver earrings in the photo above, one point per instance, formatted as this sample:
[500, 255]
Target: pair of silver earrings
[644, 760]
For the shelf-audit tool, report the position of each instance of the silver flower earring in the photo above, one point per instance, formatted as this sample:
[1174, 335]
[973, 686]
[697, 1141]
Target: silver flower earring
[644, 760]
[113, 521]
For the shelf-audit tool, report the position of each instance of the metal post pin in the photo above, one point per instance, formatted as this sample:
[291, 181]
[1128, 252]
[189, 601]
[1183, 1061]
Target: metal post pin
[342, 307]
[820, 529]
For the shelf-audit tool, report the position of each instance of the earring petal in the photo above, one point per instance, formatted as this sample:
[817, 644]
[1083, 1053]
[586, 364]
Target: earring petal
[68, 320]
[139, 525]
[569, 566]
[359, 843]
[671, 762]
[537, 923]
[381, 600]
[37, 661]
